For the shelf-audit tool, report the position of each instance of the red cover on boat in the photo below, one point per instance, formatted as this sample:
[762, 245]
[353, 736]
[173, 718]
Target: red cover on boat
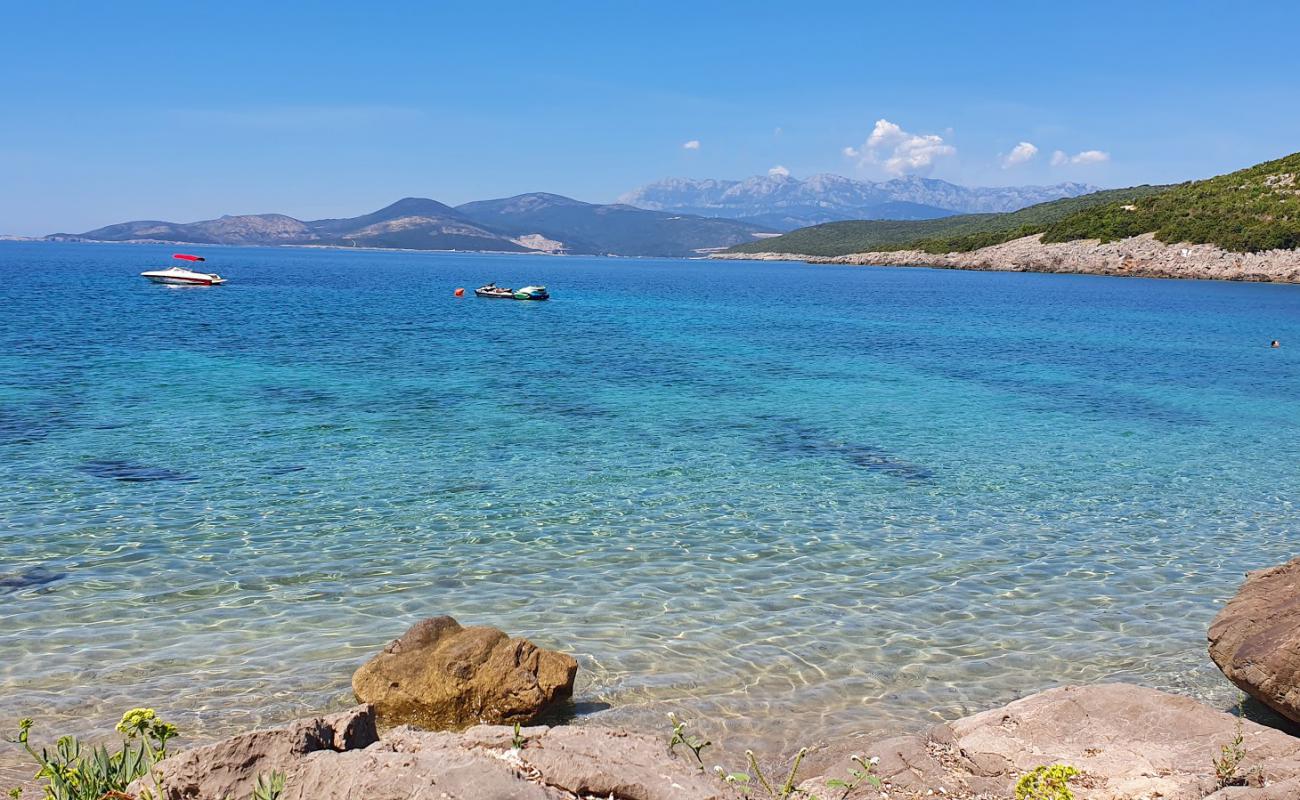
[188, 258]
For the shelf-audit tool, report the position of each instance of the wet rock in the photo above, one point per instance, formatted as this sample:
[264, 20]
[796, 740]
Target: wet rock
[1255, 639]
[1130, 742]
[338, 758]
[440, 676]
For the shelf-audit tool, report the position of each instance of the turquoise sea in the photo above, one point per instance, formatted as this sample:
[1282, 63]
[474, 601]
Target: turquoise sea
[791, 501]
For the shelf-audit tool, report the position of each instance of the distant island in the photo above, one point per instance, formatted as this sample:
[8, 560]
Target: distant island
[528, 223]
[1241, 226]
[672, 218]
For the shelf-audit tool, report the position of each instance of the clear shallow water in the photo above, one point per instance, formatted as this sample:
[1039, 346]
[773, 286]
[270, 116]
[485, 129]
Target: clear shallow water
[800, 502]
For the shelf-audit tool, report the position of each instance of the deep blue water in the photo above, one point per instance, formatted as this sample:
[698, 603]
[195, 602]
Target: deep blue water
[797, 500]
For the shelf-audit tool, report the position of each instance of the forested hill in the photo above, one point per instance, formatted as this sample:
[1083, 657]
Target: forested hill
[1245, 211]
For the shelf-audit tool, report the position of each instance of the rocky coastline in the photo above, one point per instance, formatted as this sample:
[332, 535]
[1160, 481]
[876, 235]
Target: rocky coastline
[1139, 257]
[459, 684]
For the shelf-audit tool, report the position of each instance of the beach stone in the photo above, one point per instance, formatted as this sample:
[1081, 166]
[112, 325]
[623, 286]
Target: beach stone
[321, 760]
[441, 676]
[1255, 639]
[230, 767]
[1130, 743]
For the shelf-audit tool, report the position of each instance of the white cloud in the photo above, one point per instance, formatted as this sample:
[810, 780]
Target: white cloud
[693, 144]
[900, 152]
[1059, 158]
[1020, 154]
[1090, 157]
[778, 170]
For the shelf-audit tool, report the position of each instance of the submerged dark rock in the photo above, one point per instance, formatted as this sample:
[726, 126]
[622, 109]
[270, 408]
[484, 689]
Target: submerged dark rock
[803, 440]
[30, 578]
[130, 472]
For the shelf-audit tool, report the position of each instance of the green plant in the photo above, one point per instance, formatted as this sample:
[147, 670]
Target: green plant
[269, 787]
[69, 771]
[864, 774]
[1227, 767]
[680, 736]
[745, 781]
[1046, 783]
[518, 740]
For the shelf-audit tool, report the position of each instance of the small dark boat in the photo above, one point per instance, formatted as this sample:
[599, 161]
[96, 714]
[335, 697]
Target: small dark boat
[501, 292]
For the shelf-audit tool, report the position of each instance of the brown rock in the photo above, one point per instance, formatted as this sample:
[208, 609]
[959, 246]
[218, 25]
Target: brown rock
[1255, 639]
[1130, 742]
[477, 764]
[230, 768]
[440, 676]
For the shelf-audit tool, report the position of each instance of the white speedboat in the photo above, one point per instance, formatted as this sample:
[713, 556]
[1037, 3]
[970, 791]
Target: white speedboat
[182, 276]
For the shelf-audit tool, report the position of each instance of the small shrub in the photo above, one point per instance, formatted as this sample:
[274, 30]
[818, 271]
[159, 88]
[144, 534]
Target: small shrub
[750, 784]
[69, 771]
[680, 737]
[1227, 767]
[1046, 783]
[864, 774]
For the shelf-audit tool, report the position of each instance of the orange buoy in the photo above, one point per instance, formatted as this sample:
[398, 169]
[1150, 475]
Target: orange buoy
[460, 291]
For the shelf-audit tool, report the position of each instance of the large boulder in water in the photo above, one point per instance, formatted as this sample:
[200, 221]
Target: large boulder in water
[1255, 639]
[441, 676]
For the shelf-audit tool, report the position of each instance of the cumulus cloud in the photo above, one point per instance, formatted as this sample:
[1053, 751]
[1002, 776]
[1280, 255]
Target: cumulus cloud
[1060, 158]
[1090, 157]
[778, 170]
[693, 144]
[900, 152]
[1020, 154]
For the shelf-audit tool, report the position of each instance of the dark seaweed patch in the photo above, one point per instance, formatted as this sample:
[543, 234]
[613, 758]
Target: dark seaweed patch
[297, 395]
[130, 472]
[285, 470]
[19, 425]
[802, 440]
[466, 488]
[29, 579]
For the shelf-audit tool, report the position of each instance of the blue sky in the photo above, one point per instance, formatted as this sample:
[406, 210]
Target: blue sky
[183, 111]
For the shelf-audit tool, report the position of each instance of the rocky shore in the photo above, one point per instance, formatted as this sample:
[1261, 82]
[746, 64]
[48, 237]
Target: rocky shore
[1117, 741]
[1140, 256]
[1128, 742]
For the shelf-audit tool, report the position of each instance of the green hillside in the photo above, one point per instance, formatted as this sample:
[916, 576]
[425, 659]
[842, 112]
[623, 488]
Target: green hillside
[1245, 211]
[947, 234]
[1249, 210]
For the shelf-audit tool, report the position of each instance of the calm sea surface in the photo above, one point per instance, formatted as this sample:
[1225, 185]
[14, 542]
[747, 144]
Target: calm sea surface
[797, 501]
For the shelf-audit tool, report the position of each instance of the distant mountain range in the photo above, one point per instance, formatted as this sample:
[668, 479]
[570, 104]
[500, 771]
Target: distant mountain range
[676, 218]
[784, 202]
[539, 222]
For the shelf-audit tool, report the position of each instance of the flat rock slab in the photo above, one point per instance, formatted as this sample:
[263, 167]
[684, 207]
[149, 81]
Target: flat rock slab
[339, 757]
[441, 676]
[1130, 742]
[1255, 639]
